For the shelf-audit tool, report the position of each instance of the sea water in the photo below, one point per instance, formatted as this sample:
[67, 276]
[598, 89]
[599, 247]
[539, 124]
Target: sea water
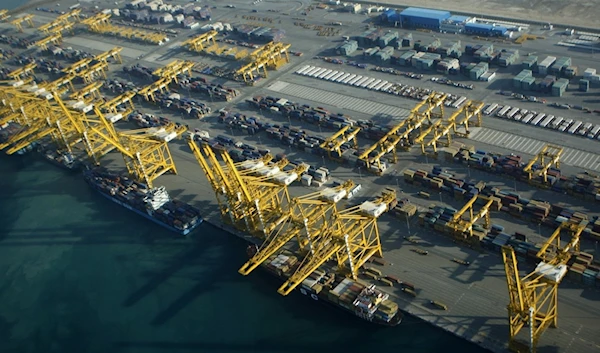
[81, 274]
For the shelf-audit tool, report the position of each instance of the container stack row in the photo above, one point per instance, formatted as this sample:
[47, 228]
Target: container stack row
[534, 211]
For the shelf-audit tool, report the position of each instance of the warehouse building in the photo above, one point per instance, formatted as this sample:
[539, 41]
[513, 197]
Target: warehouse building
[455, 24]
[414, 17]
[485, 29]
[347, 48]
[390, 16]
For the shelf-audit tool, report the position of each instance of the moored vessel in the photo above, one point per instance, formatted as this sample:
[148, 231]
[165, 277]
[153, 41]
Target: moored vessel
[151, 203]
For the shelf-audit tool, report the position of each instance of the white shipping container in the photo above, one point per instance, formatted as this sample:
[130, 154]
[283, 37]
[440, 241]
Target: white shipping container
[330, 75]
[373, 84]
[490, 109]
[347, 79]
[342, 78]
[302, 69]
[573, 129]
[356, 79]
[547, 121]
[364, 84]
[527, 118]
[512, 113]
[594, 132]
[502, 112]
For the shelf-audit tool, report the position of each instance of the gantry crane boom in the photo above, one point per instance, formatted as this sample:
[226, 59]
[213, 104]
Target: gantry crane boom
[334, 143]
[146, 158]
[115, 53]
[390, 140]
[534, 298]
[463, 226]
[17, 22]
[547, 157]
[112, 105]
[24, 71]
[91, 89]
[306, 213]
[352, 237]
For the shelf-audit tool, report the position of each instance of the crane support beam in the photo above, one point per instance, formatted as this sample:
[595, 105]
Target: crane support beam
[352, 237]
[346, 134]
[548, 156]
[534, 298]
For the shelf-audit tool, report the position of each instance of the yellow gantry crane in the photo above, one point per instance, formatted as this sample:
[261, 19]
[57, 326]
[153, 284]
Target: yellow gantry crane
[333, 144]
[21, 73]
[4, 15]
[146, 153]
[17, 22]
[351, 238]
[431, 136]
[534, 297]
[174, 69]
[101, 24]
[307, 217]
[111, 107]
[546, 158]
[371, 157]
[264, 196]
[201, 42]
[114, 53]
[160, 85]
[89, 93]
[77, 67]
[272, 56]
[54, 38]
[463, 228]
[96, 71]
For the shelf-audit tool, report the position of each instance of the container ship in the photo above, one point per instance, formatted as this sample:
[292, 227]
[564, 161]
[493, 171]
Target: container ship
[323, 285]
[153, 204]
[63, 160]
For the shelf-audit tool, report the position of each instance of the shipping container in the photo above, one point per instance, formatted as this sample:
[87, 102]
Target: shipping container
[538, 118]
[367, 82]
[310, 71]
[332, 76]
[576, 125]
[342, 78]
[324, 73]
[512, 113]
[373, 84]
[348, 78]
[357, 79]
[299, 72]
[527, 118]
[490, 109]
[502, 112]
[337, 76]
[594, 132]
[547, 121]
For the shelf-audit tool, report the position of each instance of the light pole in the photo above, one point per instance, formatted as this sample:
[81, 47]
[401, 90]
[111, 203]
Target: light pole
[407, 224]
[515, 185]
[441, 197]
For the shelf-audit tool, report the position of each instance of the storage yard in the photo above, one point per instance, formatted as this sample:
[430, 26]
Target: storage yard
[450, 161]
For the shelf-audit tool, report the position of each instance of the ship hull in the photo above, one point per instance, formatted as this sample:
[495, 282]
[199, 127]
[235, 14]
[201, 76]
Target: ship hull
[395, 321]
[147, 216]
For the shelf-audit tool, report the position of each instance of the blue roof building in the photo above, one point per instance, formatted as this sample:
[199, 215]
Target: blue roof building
[391, 16]
[423, 18]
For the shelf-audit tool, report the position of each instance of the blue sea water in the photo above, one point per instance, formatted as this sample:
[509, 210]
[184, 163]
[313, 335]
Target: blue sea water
[82, 274]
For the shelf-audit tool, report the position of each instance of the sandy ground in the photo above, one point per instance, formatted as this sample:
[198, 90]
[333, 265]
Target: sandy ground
[583, 13]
